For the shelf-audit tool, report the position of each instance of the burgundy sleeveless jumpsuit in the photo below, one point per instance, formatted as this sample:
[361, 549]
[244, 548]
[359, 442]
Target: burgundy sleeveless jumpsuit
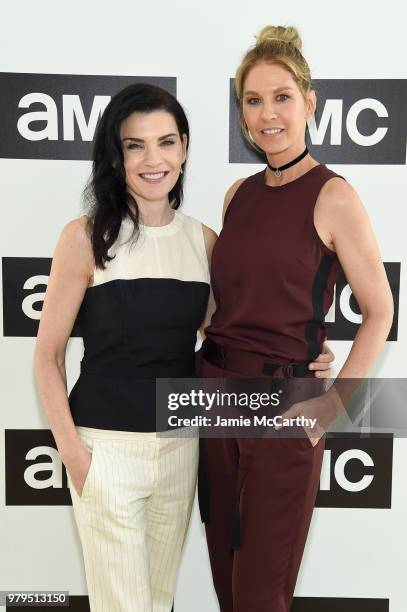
[273, 281]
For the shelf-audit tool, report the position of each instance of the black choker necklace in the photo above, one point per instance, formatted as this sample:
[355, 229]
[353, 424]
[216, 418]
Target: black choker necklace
[278, 171]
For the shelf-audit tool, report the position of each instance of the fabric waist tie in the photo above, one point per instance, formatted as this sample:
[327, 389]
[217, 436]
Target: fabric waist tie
[250, 364]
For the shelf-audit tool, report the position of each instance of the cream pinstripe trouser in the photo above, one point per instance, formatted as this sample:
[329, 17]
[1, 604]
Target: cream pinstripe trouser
[132, 516]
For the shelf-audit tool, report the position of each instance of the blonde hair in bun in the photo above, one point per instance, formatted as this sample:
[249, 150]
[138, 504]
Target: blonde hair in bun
[280, 34]
[281, 45]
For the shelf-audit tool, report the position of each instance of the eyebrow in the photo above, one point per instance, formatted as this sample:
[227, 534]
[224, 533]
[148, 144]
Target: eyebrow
[288, 88]
[141, 140]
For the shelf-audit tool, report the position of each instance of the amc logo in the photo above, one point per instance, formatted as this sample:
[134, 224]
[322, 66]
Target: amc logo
[356, 472]
[25, 281]
[35, 474]
[357, 122]
[344, 317]
[54, 116]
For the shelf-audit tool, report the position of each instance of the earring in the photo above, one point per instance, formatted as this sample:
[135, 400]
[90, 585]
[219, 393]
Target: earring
[181, 170]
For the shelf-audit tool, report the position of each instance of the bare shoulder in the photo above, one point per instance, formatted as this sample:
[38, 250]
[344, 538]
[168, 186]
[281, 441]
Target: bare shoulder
[339, 211]
[76, 234]
[77, 229]
[74, 244]
[233, 188]
[338, 194]
[230, 193]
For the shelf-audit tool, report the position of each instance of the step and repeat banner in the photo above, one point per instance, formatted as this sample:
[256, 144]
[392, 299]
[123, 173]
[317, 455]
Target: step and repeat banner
[58, 71]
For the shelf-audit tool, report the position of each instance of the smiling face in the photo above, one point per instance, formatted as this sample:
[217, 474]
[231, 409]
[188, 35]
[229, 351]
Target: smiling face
[275, 110]
[153, 151]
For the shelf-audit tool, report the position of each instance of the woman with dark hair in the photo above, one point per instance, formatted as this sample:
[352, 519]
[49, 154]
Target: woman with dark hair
[135, 272]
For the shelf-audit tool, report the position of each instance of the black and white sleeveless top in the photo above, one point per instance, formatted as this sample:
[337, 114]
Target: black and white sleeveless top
[139, 321]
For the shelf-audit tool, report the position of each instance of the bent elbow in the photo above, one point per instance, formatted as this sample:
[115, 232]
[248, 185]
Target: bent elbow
[382, 313]
[46, 359]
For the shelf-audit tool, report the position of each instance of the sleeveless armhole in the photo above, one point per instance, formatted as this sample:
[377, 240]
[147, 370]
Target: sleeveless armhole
[317, 237]
[200, 241]
[234, 197]
[196, 235]
[94, 268]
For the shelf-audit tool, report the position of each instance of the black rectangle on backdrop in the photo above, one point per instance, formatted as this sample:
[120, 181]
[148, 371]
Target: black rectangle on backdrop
[359, 471]
[53, 116]
[357, 121]
[339, 604]
[80, 603]
[34, 472]
[347, 311]
[77, 603]
[25, 281]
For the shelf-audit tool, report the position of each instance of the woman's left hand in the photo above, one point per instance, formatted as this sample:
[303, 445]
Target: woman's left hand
[322, 364]
[320, 411]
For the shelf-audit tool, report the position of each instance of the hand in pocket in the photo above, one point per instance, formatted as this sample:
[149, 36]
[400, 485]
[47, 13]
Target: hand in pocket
[310, 415]
[79, 468]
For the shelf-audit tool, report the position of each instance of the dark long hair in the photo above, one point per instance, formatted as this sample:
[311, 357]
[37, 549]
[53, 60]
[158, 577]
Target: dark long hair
[106, 194]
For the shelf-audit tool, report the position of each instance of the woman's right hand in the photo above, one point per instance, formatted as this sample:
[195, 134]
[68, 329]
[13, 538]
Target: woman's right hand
[78, 469]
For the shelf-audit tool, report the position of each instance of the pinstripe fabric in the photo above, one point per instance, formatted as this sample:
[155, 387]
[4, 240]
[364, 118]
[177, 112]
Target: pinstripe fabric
[132, 516]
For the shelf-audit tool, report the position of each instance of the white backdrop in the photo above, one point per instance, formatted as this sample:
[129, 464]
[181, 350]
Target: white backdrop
[351, 552]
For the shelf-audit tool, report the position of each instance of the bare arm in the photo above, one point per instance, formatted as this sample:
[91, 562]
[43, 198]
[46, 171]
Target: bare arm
[341, 216]
[342, 222]
[343, 225]
[71, 272]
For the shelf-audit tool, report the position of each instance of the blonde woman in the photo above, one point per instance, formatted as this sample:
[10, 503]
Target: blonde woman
[287, 232]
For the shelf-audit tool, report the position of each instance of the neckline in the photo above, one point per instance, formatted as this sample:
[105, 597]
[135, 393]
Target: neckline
[296, 180]
[160, 230]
